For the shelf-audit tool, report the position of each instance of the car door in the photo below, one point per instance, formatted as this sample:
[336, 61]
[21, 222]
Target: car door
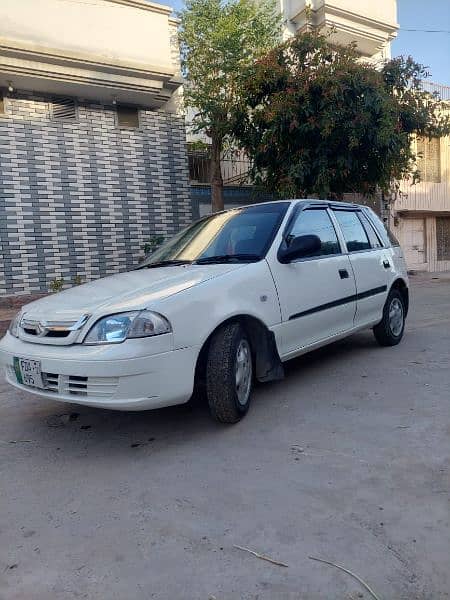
[371, 264]
[316, 293]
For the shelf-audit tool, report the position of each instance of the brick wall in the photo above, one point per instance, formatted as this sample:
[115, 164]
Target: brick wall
[80, 198]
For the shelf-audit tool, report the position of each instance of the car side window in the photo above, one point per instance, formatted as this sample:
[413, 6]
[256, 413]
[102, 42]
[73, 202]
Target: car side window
[384, 231]
[317, 222]
[374, 240]
[353, 231]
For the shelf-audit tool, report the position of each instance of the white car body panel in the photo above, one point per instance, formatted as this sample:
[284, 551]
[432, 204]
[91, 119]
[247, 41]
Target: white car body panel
[305, 304]
[125, 291]
[298, 290]
[119, 377]
[247, 290]
[370, 274]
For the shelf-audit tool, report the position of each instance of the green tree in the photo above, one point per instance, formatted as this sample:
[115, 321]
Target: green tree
[218, 41]
[316, 120]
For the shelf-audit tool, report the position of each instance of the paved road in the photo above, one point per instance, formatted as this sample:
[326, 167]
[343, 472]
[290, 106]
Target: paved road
[346, 460]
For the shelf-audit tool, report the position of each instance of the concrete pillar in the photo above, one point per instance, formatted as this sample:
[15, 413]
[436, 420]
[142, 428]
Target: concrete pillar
[430, 243]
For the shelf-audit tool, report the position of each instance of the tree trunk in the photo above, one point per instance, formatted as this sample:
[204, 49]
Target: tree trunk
[216, 175]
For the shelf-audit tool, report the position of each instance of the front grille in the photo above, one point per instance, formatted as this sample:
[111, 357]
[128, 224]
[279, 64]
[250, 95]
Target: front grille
[50, 381]
[42, 331]
[57, 334]
[49, 334]
[76, 385]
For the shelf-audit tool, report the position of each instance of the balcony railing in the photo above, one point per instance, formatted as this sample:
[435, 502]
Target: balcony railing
[235, 169]
[442, 90]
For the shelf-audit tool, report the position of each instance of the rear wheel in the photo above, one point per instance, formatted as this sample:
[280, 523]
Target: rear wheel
[389, 330]
[229, 374]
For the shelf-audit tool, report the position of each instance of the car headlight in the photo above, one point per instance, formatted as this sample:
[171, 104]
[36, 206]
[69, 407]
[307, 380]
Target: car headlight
[14, 325]
[120, 327]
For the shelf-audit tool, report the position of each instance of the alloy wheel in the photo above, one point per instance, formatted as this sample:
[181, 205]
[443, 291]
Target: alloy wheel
[243, 371]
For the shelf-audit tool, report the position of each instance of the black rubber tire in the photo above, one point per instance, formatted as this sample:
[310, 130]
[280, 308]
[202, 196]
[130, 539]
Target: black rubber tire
[220, 375]
[382, 331]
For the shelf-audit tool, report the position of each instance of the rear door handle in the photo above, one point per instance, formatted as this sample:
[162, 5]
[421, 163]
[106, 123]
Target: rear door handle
[343, 273]
[386, 264]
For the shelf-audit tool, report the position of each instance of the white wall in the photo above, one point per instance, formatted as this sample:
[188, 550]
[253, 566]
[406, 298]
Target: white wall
[104, 50]
[371, 24]
[384, 11]
[108, 30]
[426, 196]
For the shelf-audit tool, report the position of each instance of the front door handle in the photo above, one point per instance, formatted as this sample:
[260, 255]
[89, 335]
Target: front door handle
[386, 264]
[343, 273]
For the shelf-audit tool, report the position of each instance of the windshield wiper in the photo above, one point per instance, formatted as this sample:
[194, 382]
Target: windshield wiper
[227, 258]
[166, 263]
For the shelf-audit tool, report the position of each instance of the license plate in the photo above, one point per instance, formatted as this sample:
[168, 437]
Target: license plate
[28, 372]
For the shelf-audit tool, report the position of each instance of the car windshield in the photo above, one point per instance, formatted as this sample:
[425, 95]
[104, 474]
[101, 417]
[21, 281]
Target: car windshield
[237, 235]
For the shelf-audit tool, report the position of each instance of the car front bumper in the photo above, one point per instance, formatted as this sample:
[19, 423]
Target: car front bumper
[120, 378]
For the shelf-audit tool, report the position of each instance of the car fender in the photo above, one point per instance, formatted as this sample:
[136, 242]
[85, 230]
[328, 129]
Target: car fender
[196, 312]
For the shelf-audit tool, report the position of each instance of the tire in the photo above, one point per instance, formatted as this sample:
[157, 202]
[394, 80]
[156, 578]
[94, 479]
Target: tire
[229, 374]
[389, 330]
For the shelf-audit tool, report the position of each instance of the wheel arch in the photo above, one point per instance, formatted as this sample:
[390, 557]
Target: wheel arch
[268, 366]
[400, 285]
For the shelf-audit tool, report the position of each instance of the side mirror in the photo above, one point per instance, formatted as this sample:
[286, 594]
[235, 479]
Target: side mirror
[299, 247]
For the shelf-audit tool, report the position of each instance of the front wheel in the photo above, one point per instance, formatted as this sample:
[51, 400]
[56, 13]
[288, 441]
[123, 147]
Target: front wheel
[389, 330]
[229, 374]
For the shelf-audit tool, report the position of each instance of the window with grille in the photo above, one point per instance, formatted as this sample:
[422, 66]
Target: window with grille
[127, 116]
[64, 109]
[443, 238]
[429, 159]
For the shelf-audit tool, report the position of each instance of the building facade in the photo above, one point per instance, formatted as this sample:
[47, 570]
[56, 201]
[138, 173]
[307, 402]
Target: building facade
[370, 25]
[420, 215]
[92, 145]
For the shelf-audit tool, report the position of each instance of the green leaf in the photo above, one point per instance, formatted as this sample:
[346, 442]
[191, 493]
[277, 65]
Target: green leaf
[316, 120]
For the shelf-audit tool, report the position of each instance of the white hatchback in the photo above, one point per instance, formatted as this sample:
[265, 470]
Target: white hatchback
[223, 303]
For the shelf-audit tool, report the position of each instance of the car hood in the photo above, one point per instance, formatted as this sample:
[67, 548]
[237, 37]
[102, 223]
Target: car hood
[133, 290]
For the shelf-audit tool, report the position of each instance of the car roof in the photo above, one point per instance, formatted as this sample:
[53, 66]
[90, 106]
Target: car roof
[312, 202]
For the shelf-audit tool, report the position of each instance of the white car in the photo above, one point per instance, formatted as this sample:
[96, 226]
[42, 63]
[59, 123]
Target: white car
[224, 302]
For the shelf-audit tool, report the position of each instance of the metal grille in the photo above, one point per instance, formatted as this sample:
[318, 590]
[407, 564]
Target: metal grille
[443, 238]
[442, 90]
[64, 109]
[199, 166]
[235, 170]
[429, 159]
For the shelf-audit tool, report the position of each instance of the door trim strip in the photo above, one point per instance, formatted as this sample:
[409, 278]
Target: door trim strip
[340, 302]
